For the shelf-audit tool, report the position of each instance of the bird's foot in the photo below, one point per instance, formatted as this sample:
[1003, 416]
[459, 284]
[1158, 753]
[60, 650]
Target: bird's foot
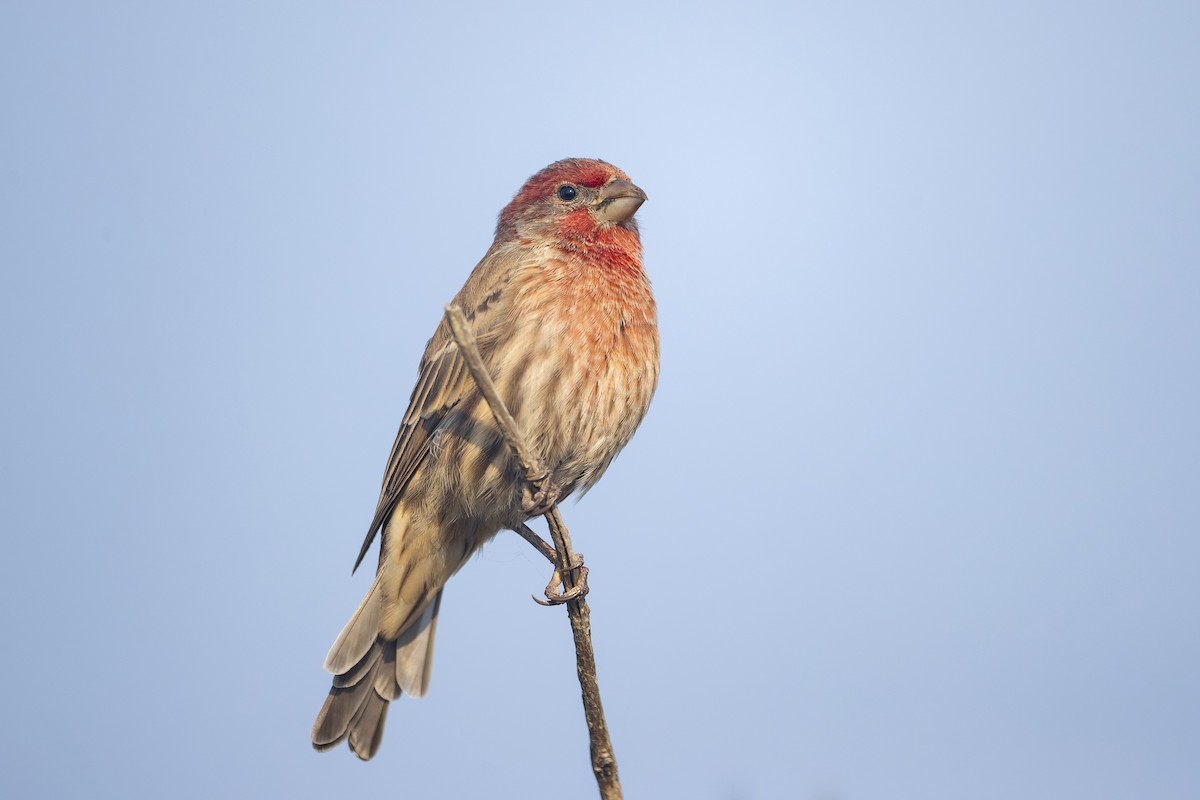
[539, 496]
[577, 578]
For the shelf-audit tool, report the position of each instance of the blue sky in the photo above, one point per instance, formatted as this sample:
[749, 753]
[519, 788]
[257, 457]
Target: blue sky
[914, 513]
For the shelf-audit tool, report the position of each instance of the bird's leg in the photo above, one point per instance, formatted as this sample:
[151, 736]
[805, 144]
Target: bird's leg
[540, 493]
[541, 545]
[577, 573]
[578, 584]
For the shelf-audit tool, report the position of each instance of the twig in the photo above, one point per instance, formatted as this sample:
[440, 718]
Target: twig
[604, 761]
[504, 420]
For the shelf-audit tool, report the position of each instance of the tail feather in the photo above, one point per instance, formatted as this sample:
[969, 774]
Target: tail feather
[414, 651]
[345, 704]
[384, 678]
[357, 637]
[356, 706]
[366, 731]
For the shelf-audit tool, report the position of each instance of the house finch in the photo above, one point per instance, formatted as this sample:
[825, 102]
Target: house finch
[566, 325]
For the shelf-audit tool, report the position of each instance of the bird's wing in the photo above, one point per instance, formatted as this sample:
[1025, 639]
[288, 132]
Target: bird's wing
[444, 380]
[442, 384]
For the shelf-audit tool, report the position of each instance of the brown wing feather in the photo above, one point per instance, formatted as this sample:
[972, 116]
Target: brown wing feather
[440, 387]
[444, 380]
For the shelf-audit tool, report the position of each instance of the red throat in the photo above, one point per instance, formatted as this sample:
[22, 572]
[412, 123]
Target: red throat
[611, 246]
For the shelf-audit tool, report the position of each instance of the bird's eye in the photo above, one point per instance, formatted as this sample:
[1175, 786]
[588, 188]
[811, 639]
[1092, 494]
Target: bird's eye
[567, 192]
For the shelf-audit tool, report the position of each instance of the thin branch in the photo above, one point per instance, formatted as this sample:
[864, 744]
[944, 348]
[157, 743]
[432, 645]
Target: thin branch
[604, 761]
[504, 420]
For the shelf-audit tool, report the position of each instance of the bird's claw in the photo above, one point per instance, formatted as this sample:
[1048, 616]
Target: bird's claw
[539, 496]
[578, 589]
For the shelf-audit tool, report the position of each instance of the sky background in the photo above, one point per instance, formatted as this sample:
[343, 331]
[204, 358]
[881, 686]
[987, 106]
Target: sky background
[914, 513]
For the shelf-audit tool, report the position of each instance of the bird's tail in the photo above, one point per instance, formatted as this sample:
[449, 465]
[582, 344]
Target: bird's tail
[370, 671]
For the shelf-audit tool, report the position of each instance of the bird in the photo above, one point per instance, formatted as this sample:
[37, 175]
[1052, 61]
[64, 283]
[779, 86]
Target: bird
[566, 325]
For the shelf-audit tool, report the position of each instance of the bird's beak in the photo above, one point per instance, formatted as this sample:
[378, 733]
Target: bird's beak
[618, 201]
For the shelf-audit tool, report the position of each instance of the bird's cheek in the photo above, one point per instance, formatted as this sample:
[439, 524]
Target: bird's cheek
[577, 225]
